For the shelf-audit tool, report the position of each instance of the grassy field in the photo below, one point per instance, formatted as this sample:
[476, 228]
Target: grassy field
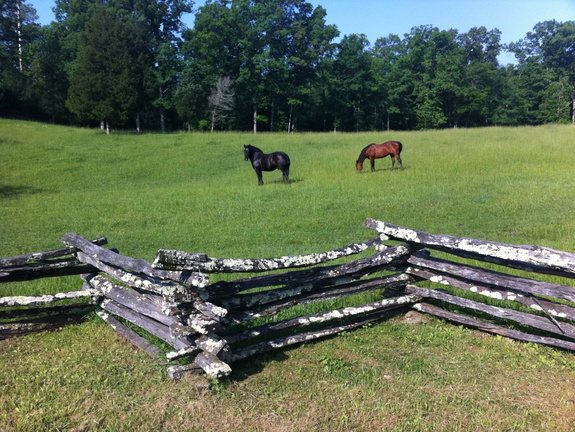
[194, 192]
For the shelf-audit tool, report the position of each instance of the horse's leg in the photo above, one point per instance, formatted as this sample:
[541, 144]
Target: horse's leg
[285, 173]
[372, 161]
[392, 161]
[260, 178]
[400, 162]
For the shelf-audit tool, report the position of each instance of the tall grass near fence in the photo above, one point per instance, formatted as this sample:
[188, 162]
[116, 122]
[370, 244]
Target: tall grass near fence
[194, 192]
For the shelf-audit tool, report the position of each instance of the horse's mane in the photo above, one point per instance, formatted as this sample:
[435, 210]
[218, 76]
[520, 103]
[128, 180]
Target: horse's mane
[254, 148]
[362, 152]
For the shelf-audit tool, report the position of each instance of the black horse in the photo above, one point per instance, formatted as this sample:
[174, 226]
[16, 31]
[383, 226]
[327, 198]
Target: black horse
[267, 162]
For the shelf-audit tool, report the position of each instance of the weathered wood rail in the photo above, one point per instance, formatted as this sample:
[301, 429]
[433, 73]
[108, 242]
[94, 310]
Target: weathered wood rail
[208, 326]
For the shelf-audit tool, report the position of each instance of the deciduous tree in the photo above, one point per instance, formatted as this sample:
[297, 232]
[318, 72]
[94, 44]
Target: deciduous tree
[221, 101]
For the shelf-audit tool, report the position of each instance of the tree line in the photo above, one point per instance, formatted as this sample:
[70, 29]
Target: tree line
[271, 65]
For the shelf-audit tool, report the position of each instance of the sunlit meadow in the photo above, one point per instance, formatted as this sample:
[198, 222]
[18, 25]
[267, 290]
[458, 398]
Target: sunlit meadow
[194, 192]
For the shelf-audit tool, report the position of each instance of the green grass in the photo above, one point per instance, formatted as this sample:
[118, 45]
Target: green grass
[194, 192]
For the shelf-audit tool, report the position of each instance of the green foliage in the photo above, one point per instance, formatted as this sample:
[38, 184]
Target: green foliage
[287, 68]
[17, 29]
[48, 73]
[104, 82]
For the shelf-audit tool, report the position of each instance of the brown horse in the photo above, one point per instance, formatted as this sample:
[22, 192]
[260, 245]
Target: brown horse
[376, 151]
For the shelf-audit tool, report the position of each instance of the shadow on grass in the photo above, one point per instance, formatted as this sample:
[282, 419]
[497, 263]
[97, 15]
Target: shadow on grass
[389, 169]
[280, 181]
[12, 192]
[251, 366]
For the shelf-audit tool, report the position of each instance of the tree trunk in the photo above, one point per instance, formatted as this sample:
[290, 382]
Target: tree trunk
[162, 119]
[19, 30]
[289, 119]
[21, 260]
[42, 299]
[167, 259]
[492, 328]
[133, 337]
[563, 329]
[272, 115]
[563, 263]
[285, 341]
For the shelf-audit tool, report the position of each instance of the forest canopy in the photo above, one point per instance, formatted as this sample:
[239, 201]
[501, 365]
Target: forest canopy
[273, 65]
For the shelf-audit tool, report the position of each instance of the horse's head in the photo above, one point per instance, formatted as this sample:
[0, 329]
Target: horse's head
[247, 151]
[358, 166]
[250, 151]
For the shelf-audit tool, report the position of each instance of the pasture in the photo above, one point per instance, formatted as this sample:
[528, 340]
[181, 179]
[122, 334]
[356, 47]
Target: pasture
[195, 192]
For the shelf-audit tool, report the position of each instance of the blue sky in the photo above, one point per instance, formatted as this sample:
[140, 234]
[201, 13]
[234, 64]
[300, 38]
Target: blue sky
[378, 18]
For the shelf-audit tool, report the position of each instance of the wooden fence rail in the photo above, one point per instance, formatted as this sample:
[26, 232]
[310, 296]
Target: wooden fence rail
[206, 324]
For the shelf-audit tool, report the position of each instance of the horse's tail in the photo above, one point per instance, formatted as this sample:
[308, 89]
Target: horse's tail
[400, 145]
[362, 156]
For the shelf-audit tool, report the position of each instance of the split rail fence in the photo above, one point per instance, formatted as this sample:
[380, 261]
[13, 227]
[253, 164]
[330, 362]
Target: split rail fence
[208, 326]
